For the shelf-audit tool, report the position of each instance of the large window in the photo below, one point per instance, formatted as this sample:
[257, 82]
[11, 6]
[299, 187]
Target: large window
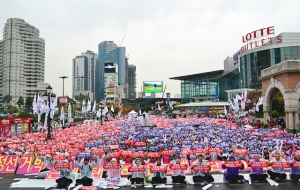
[252, 64]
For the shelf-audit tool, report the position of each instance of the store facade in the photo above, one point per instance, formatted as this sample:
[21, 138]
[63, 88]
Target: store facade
[16, 125]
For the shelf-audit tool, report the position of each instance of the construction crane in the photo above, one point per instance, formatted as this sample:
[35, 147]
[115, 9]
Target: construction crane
[120, 44]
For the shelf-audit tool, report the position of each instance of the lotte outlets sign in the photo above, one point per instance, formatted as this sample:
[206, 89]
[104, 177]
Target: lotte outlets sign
[260, 37]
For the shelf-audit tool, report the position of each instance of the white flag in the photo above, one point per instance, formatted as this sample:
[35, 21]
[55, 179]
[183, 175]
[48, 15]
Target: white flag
[112, 108]
[159, 107]
[105, 110]
[34, 105]
[140, 112]
[89, 106]
[259, 102]
[62, 114]
[94, 107]
[83, 106]
[225, 111]
[69, 112]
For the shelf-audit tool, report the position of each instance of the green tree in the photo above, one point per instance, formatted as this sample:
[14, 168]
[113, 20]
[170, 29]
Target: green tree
[20, 101]
[7, 99]
[252, 98]
[278, 103]
[28, 102]
[81, 97]
[14, 109]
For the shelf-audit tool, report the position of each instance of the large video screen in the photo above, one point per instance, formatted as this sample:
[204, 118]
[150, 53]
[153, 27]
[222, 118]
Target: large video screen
[110, 68]
[153, 86]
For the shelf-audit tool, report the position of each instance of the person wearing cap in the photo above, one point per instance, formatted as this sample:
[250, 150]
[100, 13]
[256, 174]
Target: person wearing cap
[295, 171]
[65, 178]
[178, 176]
[277, 174]
[48, 163]
[137, 177]
[114, 173]
[201, 176]
[257, 173]
[232, 174]
[159, 177]
[86, 177]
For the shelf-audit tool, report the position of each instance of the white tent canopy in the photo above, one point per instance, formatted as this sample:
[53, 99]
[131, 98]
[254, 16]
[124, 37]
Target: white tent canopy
[132, 114]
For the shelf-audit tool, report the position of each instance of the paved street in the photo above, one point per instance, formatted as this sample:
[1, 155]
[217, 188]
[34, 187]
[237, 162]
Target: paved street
[8, 179]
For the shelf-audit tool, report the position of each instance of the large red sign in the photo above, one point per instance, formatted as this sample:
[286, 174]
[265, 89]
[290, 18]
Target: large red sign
[261, 164]
[201, 168]
[280, 165]
[233, 164]
[259, 38]
[158, 169]
[178, 166]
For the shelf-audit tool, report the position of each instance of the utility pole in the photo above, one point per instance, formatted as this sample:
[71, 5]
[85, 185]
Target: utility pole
[63, 105]
[63, 77]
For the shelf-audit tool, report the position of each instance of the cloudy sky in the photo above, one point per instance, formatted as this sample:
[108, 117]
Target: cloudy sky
[164, 38]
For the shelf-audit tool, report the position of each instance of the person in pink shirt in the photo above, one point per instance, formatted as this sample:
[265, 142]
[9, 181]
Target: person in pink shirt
[114, 173]
[166, 158]
[6, 132]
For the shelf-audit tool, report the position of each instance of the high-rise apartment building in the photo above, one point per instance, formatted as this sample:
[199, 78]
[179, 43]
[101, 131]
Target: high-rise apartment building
[131, 76]
[85, 74]
[22, 60]
[108, 51]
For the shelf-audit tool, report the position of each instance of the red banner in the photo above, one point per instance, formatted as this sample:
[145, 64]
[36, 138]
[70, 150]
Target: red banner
[137, 169]
[200, 151]
[296, 164]
[110, 166]
[153, 154]
[140, 144]
[61, 165]
[158, 169]
[178, 166]
[280, 165]
[240, 151]
[168, 152]
[261, 164]
[187, 152]
[233, 164]
[138, 154]
[58, 157]
[216, 150]
[201, 168]
[98, 151]
[127, 152]
[113, 154]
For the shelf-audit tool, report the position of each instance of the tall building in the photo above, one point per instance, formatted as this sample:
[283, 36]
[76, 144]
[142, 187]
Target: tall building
[22, 60]
[108, 51]
[85, 74]
[131, 75]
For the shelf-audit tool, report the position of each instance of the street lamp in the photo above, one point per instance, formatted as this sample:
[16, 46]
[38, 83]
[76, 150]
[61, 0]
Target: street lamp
[101, 109]
[48, 96]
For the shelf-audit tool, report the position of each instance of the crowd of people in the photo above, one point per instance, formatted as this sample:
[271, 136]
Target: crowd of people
[205, 139]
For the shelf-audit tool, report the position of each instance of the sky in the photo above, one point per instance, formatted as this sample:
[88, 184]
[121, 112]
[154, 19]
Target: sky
[164, 38]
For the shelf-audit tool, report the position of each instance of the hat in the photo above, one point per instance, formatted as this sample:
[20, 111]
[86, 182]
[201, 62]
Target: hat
[66, 154]
[113, 160]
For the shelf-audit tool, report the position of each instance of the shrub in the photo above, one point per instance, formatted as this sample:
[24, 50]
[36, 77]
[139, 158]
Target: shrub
[275, 114]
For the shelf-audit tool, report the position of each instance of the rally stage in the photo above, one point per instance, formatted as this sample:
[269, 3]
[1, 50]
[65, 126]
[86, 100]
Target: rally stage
[48, 183]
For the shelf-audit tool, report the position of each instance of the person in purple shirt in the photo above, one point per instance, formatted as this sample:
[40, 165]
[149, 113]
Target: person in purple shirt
[257, 173]
[295, 172]
[232, 174]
